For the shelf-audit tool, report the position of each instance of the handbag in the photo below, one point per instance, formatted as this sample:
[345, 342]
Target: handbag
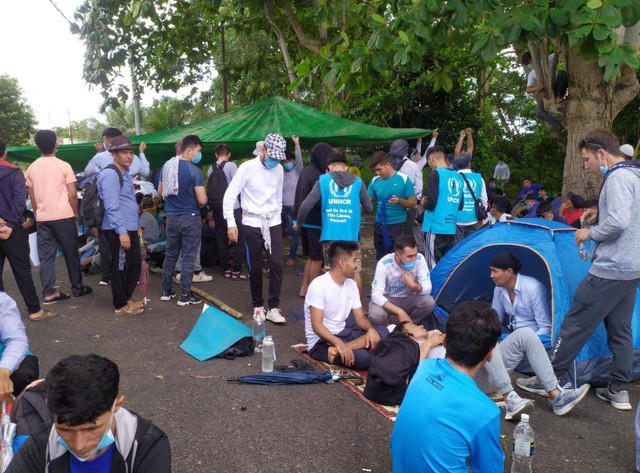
[481, 211]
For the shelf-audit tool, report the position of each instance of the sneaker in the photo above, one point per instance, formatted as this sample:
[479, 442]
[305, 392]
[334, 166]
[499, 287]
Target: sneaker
[167, 295]
[532, 385]
[201, 277]
[619, 400]
[516, 406]
[568, 399]
[275, 316]
[188, 299]
[259, 313]
[105, 282]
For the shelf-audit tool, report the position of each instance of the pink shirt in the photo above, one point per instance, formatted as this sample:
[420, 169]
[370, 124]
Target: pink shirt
[48, 177]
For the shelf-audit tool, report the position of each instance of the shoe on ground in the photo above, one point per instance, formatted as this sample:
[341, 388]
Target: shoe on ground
[188, 299]
[201, 277]
[259, 313]
[274, 315]
[167, 295]
[619, 400]
[532, 385]
[516, 406]
[568, 399]
[105, 282]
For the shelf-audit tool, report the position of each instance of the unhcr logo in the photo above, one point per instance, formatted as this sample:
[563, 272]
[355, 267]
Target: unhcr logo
[340, 193]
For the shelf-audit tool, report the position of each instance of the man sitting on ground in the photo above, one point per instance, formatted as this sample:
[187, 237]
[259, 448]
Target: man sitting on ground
[401, 288]
[92, 432]
[461, 427]
[329, 301]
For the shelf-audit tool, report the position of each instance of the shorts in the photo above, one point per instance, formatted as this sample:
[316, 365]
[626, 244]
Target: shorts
[325, 254]
[311, 246]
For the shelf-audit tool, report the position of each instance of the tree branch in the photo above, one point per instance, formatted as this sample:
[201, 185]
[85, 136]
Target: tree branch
[632, 36]
[310, 44]
[268, 13]
[322, 30]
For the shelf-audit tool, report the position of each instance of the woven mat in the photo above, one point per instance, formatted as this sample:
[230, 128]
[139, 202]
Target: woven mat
[358, 383]
[355, 382]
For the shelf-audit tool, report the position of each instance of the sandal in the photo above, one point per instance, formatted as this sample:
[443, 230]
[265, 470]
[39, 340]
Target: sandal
[227, 273]
[60, 297]
[239, 276]
[42, 314]
[129, 310]
[135, 303]
[290, 262]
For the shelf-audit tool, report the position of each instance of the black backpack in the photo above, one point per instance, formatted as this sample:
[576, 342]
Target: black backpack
[217, 185]
[92, 207]
[393, 363]
[30, 413]
[243, 347]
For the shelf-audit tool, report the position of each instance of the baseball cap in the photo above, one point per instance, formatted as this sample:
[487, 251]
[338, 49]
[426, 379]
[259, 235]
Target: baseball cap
[627, 150]
[276, 145]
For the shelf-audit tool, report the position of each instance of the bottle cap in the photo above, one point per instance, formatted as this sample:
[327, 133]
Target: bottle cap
[525, 417]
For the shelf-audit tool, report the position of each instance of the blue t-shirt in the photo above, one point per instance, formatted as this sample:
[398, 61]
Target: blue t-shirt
[446, 423]
[185, 203]
[101, 464]
[383, 189]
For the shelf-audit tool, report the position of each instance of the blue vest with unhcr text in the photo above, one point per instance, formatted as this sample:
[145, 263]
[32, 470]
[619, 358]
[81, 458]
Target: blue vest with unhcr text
[340, 210]
[442, 220]
[468, 212]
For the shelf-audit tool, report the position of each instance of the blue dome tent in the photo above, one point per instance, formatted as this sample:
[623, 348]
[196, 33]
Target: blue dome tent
[548, 252]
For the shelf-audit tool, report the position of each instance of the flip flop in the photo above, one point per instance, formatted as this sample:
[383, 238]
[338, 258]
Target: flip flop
[43, 314]
[60, 297]
[129, 310]
[290, 262]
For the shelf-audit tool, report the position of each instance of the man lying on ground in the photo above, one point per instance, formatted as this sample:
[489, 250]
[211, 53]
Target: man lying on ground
[92, 432]
[330, 299]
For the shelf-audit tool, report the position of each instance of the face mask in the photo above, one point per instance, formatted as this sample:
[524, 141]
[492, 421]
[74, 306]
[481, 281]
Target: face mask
[197, 158]
[604, 169]
[106, 440]
[270, 163]
[288, 166]
[527, 206]
[408, 265]
[106, 146]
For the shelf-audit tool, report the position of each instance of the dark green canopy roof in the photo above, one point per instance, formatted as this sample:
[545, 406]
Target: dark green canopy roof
[240, 129]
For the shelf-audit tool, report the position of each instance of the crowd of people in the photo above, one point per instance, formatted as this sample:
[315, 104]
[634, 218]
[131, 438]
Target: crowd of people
[239, 217]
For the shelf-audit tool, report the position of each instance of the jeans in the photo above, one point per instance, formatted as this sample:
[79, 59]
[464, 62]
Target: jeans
[183, 236]
[51, 234]
[287, 222]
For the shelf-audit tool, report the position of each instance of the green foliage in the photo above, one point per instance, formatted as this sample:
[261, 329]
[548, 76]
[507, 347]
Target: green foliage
[18, 121]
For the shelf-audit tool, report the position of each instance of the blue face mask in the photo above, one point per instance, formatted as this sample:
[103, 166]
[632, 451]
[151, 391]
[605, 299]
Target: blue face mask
[408, 265]
[288, 166]
[527, 206]
[197, 158]
[106, 440]
[270, 163]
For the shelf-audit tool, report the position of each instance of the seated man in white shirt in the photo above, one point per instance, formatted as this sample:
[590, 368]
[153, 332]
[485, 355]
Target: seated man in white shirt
[401, 288]
[330, 299]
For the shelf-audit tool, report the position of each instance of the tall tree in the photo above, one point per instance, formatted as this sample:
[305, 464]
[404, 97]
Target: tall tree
[18, 121]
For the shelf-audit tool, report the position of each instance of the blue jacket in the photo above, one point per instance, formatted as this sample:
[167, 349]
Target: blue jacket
[13, 194]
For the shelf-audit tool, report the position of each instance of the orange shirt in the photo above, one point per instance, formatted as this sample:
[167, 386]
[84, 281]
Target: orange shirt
[49, 176]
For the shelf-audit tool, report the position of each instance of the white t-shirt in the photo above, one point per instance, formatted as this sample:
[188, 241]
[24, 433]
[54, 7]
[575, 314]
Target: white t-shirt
[336, 302]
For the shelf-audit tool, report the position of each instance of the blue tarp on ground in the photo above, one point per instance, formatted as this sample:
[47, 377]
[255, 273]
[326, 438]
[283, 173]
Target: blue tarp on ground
[548, 252]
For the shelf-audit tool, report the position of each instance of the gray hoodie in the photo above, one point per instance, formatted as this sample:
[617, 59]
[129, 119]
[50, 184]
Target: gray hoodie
[617, 233]
[343, 179]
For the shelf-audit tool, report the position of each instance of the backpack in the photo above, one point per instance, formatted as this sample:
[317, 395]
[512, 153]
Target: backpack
[92, 207]
[30, 413]
[243, 347]
[393, 363]
[217, 185]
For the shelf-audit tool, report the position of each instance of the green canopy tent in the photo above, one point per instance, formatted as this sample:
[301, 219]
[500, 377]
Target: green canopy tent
[240, 129]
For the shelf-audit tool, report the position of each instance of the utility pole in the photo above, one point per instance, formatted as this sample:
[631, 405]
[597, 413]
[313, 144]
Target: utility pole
[225, 89]
[70, 127]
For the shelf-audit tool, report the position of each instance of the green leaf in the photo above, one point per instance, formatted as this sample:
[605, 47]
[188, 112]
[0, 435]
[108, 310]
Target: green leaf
[528, 23]
[356, 65]
[583, 31]
[558, 17]
[600, 33]
[403, 37]
[345, 37]
[610, 72]
[594, 4]
[378, 19]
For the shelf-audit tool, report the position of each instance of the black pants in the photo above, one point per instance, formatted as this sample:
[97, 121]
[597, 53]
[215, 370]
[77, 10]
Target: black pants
[51, 234]
[229, 255]
[125, 270]
[255, 245]
[384, 248]
[27, 373]
[105, 256]
[16, 250]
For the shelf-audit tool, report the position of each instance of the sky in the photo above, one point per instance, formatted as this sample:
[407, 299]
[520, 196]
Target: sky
[38, 49]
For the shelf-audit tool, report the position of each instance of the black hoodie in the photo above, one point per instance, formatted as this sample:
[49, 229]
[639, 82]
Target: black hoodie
[308, 177]
[397, 152]
[13, 194]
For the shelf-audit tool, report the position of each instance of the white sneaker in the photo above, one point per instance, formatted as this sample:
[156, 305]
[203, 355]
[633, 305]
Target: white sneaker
[516, 406]
[274, 315]
[202, 277]
[259, 313]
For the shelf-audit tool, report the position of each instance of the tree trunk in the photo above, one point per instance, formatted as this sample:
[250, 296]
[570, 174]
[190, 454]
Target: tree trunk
[592, 105]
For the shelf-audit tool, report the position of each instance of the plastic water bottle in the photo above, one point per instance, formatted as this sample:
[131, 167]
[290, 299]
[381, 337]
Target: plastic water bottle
[268, 354]
[258, 329]
[523, 446]
[585, 249]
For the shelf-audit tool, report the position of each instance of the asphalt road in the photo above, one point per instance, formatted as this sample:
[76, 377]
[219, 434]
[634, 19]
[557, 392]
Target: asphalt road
[217, 426]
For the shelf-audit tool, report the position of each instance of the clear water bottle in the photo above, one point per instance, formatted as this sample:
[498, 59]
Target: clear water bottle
[523, 446]
[268, 354]
[258, 328]
[585, 249]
